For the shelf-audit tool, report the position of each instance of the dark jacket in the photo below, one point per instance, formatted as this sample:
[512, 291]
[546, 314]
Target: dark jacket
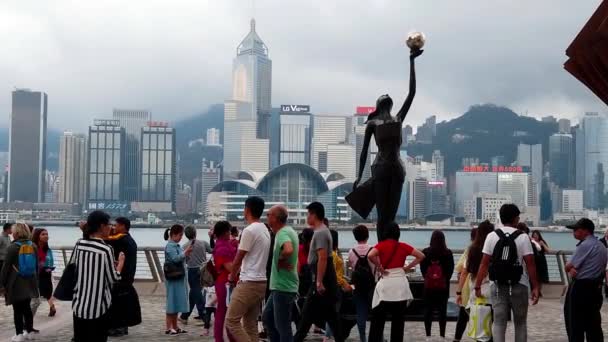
[446, 261]
[17, 288]
[127, 245]
[125, 310]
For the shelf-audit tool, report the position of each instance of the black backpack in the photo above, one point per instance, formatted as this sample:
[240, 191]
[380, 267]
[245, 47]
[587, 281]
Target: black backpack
[362, 276]
[505, 268]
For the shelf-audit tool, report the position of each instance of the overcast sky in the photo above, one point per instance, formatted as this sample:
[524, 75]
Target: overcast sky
[175, 57]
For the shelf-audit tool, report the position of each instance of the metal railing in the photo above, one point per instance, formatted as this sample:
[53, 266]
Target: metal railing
[150, 264]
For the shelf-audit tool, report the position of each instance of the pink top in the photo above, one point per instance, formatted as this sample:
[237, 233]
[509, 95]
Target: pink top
[362, 250]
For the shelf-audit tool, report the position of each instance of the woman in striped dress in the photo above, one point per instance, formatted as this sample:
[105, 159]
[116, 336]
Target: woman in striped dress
[96, 274]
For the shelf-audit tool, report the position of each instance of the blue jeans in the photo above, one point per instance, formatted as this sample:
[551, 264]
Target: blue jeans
[277, 316]
[196, 297]
[362, 304]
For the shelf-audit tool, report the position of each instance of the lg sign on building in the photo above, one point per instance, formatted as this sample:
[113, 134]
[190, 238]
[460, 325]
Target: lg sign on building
[295, 108]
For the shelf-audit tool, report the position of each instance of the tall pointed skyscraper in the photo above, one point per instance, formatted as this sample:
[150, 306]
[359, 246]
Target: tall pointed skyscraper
[247, 114]
[252, 79]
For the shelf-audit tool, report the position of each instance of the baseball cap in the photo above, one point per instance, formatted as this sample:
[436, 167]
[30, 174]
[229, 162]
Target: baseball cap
[583, 223]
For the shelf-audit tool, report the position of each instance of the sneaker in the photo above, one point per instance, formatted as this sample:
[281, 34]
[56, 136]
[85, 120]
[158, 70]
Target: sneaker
[29, 336]
[18, 338]
[205, 332]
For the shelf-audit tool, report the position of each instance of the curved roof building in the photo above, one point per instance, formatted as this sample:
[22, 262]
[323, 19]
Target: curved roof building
[293, 185]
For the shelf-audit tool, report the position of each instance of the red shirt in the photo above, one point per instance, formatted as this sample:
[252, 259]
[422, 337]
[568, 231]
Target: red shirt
[393, 253]
[223, 273]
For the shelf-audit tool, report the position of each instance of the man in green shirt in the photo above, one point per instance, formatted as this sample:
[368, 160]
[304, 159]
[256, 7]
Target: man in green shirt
[283, 277]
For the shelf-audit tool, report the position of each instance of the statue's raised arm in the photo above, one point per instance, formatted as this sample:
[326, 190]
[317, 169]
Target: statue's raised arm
[414, 53]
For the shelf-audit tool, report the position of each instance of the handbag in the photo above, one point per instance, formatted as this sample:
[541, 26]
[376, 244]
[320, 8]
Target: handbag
[67, 283]
[480, 320]
[174, 271]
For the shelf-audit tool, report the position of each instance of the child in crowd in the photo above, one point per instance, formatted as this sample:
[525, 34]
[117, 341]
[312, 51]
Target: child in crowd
[210, 304]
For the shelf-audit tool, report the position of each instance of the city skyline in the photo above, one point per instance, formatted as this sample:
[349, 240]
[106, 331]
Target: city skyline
[129, 80]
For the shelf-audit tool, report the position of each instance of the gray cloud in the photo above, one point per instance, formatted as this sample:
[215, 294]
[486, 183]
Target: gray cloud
[175, 58]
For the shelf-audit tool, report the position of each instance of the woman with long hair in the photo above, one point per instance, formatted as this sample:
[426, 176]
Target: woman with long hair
[176, 289]
[542, 269]
[223, 256]
[20, 285]
[46, 265]
[474, 257]
[437, 268]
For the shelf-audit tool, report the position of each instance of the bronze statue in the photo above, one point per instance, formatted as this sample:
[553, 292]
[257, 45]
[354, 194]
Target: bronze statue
[383, 189]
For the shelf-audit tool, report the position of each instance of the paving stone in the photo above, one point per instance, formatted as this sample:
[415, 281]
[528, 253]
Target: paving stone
[545, 323]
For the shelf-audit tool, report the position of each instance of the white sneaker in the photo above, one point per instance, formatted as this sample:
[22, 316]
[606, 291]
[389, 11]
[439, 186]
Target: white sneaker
[18, 338]
[29, 336]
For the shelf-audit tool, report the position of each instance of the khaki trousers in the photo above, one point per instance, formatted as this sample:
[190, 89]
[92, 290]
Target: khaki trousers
[243, 311]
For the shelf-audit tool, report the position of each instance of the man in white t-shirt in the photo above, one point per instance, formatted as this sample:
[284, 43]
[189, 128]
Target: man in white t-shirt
[509, 294]
[246, 300]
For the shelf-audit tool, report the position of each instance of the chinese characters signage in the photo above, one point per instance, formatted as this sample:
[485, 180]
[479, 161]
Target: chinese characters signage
[486, 168]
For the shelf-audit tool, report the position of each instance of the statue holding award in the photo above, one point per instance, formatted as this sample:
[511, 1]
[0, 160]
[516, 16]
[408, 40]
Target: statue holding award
[383, 189]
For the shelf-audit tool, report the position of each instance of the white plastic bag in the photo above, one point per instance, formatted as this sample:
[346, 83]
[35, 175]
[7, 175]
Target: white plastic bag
[480, 320]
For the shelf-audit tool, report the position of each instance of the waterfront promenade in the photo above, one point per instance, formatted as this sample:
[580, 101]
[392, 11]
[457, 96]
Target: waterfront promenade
[545, 323]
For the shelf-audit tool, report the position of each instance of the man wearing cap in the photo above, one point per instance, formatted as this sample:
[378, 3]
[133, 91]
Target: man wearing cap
[584, 297]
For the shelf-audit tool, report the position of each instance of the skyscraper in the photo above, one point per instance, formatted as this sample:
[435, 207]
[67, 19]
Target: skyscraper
[439, 162]
[328, 130]
[561, 161]
[158, 169]
[213, 137]
[564, 125]
[532, 156]
[106, 166]
[242, 150]
[418, 198]
[592, 156]
[341, 159]
[517, 186]
[247, 114]
[72, 168]
[27, 146]
[210, 178]
[295, 135]
[132, 120]
[252, 79]
[359, 125]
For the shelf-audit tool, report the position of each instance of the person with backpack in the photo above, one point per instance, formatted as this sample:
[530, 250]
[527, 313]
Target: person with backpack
[362, 277]
[437, 268]
[392, 291]
[509, 259]
[19, 280]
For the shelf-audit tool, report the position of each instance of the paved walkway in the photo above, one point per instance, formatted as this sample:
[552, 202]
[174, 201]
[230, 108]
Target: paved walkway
[545, 323]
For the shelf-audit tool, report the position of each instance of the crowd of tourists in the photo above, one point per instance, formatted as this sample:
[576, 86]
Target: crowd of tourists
[269, 273]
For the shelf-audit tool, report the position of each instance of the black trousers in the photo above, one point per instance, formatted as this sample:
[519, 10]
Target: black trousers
[461, 324]
[319, 307]
[435, 301]
[22, 314]
[91, 330]
[379, 315]
[582, 311]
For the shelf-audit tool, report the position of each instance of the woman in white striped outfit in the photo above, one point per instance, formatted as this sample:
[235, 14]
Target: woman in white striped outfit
[96, 274]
